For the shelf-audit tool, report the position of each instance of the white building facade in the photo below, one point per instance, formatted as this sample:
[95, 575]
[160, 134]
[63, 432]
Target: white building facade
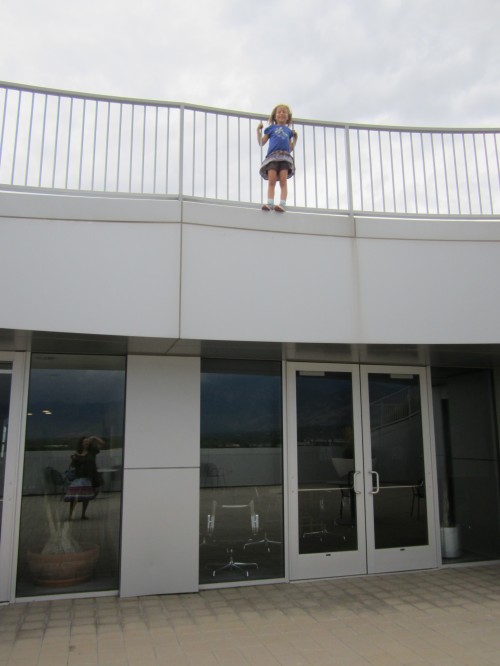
[280, 397]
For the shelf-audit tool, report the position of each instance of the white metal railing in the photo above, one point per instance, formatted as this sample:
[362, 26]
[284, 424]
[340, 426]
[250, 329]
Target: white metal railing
[58, 140]
[398, 406]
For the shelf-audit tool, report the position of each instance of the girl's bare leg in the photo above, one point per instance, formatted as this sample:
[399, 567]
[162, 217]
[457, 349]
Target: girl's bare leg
[283, 184]
[283, 177]
[85, 504]
[272, 174]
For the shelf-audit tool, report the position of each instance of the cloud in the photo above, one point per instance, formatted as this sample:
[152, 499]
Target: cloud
[391, 61]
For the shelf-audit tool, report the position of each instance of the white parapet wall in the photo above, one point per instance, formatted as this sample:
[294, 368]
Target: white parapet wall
[201, 271]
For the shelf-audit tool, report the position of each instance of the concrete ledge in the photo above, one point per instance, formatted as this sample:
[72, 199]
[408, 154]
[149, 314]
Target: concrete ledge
[424, 229]
[253, 218]
[53, 206]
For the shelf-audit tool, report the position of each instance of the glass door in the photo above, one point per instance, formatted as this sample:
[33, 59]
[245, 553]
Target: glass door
[359, 472]
[327, 513]
[398, 479]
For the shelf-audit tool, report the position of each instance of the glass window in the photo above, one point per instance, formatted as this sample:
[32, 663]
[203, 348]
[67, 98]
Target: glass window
[241, 474]
[467, 463]
[325, 462]
[72, 475]
[397, 457]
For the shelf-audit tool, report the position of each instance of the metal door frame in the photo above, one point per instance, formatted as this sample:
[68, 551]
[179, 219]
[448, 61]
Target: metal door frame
[361, 561]
[418, 557]
[13, 474]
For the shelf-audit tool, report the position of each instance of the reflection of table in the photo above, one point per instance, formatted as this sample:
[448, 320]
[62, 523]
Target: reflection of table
[417, 492]
[109, 476]
[346, 492]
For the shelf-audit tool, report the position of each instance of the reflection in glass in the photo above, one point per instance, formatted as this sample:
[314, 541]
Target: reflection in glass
[325, 450]
[71, 504]
[399, 500]
[466, 429]
[241, 478]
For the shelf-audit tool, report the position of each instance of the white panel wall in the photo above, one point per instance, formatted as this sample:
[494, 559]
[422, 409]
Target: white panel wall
[392, 281]
[252, 285]
[163, 412]
[99, 277]
[431, 292]
[161, 481]
[160, 531]
[215, 272]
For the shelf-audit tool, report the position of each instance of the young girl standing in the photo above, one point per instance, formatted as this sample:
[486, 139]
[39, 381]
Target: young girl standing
[278, 164]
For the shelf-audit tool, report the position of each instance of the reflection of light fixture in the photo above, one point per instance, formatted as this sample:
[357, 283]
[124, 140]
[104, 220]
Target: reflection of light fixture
[46, 411]
[30, 414]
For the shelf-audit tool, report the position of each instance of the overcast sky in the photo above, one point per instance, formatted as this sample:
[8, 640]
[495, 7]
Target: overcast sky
[405, 62]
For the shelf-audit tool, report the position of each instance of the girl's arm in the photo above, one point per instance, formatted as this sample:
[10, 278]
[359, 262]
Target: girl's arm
[261, 140]
[293, 140]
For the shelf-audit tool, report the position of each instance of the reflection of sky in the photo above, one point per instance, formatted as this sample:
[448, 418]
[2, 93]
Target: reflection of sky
[239, 403]
[79, 402]
[324, 402]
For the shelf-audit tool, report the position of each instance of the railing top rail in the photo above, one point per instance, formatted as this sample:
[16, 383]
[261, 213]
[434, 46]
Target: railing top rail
[244, 114]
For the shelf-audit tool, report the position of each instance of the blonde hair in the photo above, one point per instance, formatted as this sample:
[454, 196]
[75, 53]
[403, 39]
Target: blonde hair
[272, 117]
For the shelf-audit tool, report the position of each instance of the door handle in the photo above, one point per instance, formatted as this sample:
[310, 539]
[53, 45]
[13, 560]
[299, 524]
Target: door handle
[376, 490]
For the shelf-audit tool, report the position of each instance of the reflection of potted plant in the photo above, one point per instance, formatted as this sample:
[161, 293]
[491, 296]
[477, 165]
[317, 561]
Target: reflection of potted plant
[62, 561]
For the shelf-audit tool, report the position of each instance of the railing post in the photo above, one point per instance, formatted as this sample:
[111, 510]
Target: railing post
[181, 154]
[350, 204]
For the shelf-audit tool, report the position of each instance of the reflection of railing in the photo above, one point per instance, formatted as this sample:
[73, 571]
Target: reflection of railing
[70, 141]
[397, 406]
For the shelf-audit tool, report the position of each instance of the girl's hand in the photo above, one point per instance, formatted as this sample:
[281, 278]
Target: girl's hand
[260, 125]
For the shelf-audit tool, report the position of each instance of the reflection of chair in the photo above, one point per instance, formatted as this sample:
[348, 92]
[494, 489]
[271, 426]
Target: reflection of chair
[268, 509]
[343, 466]
[345, 470]
[233, 521]
[418, 494]
[347, 495]
[55, 481]
[317, 506]
[207, 520]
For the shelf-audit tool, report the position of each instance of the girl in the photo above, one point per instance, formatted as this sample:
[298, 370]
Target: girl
[279, 162]
[85, 484]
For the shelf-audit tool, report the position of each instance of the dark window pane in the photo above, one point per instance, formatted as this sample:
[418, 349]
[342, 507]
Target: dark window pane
[466, 429]
[398, 460]
[325, 462]
[75, 418]
[241, 475]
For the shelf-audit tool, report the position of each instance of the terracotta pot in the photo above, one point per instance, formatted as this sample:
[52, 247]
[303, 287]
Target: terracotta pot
[60, 569]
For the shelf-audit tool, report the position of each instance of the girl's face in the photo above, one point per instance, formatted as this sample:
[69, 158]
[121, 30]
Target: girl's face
[282, 115]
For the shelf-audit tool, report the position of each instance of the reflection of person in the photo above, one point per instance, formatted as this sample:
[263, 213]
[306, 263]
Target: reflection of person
[85, 485]
[278, 164]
